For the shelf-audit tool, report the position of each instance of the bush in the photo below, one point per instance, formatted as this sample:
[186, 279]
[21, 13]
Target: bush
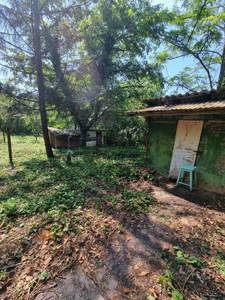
[126, 132]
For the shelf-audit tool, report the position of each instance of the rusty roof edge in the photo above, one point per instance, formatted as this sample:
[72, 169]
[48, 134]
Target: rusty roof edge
[195, 96]
[180, 108]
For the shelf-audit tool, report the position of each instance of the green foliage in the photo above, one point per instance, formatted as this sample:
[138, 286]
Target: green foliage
[57, 232]
[17, 114]
[96, 66]
[169, 275]
[125, 132]
[104, 227]
[176, 295]
[104, 43]
[44, 276]
[194, 261]
[149, 297]
[180, 259]
[220, 262]
[184, 257]
[168, 283]
[136, 202]
[116, 40]
[193, 30]
[207, 245]
[119, 228]
[37, 185]
[166, 255]
[3, 275]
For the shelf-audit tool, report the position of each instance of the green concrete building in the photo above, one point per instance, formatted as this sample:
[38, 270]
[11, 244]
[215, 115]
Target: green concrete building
[188, 129]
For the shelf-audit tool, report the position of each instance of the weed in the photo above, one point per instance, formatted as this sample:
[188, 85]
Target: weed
[98, 263]
[137, 202]
[219, 230]
[3, 275]
[166, 255]
[149, 176]
[24, 243]
[180, 259]
[194, 261]
[149, 297]
[220, 262]
[119, 228]
[207, 245]
[44, 276]
[166, 218]
[66, 228]
[56, 232]
[169, 282]
[104, 227]
[184, 257]
[52, 187]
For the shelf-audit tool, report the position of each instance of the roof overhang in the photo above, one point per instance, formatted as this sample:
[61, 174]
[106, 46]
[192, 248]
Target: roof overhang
[207, 108]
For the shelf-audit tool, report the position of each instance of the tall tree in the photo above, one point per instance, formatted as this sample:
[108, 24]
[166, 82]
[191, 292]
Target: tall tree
[196, 30]
[9, 109]
[40, 76]
[80, 57]
[22, 51]
[108, 55]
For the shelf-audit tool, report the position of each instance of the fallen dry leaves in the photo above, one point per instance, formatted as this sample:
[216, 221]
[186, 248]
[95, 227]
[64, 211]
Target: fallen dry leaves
[197, 232]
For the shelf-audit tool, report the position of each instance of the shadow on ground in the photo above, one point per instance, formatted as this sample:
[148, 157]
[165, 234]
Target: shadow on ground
[131, 263]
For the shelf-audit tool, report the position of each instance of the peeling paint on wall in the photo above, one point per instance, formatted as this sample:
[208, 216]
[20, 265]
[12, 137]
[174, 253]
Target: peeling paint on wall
[160, 144]
[210, 156]
[185, 145]
[211, 161]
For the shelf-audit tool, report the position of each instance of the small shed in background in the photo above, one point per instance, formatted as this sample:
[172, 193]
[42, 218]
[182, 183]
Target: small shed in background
[59, 137]
[188, 129]
[94, 138]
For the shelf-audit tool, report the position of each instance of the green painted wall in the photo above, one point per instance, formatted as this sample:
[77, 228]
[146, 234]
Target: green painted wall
[210, 157]
[162, 133]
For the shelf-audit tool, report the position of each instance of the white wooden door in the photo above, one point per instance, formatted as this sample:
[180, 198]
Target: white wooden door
[186, 145]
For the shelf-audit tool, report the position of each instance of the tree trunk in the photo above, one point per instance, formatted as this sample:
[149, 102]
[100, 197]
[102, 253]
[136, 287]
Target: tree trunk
[17, 125]
[222, 69]
[8, 132]
[83, 139]
[4, 130]
[40, 78]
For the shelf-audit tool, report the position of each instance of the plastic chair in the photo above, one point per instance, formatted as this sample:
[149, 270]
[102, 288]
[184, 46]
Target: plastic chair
[192, 170]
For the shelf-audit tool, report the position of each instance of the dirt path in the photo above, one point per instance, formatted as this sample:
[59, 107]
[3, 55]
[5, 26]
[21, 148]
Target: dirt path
[183, 233]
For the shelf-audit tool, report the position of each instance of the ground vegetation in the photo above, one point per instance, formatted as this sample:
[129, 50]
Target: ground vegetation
[105, 226]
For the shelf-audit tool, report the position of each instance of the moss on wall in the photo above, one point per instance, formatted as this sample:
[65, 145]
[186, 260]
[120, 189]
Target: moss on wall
[211, 154]
[162, 133]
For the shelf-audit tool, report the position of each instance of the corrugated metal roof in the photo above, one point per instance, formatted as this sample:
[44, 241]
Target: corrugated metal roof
[195, 97]
[64, 132]
[209, 106]
[197, 102]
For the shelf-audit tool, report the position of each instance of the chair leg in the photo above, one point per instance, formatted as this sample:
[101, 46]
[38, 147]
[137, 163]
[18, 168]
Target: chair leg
[182, 176]
[196, 181]
[191, 180]
[178, 178]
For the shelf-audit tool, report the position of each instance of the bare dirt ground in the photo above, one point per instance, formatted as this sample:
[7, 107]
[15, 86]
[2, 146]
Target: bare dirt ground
[124, 256]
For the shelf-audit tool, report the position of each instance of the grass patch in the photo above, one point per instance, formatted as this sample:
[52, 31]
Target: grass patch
[37, 184]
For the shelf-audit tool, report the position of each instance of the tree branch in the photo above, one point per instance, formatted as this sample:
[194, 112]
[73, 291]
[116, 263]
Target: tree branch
[13, 28]
[198, 18]
[10, 94]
